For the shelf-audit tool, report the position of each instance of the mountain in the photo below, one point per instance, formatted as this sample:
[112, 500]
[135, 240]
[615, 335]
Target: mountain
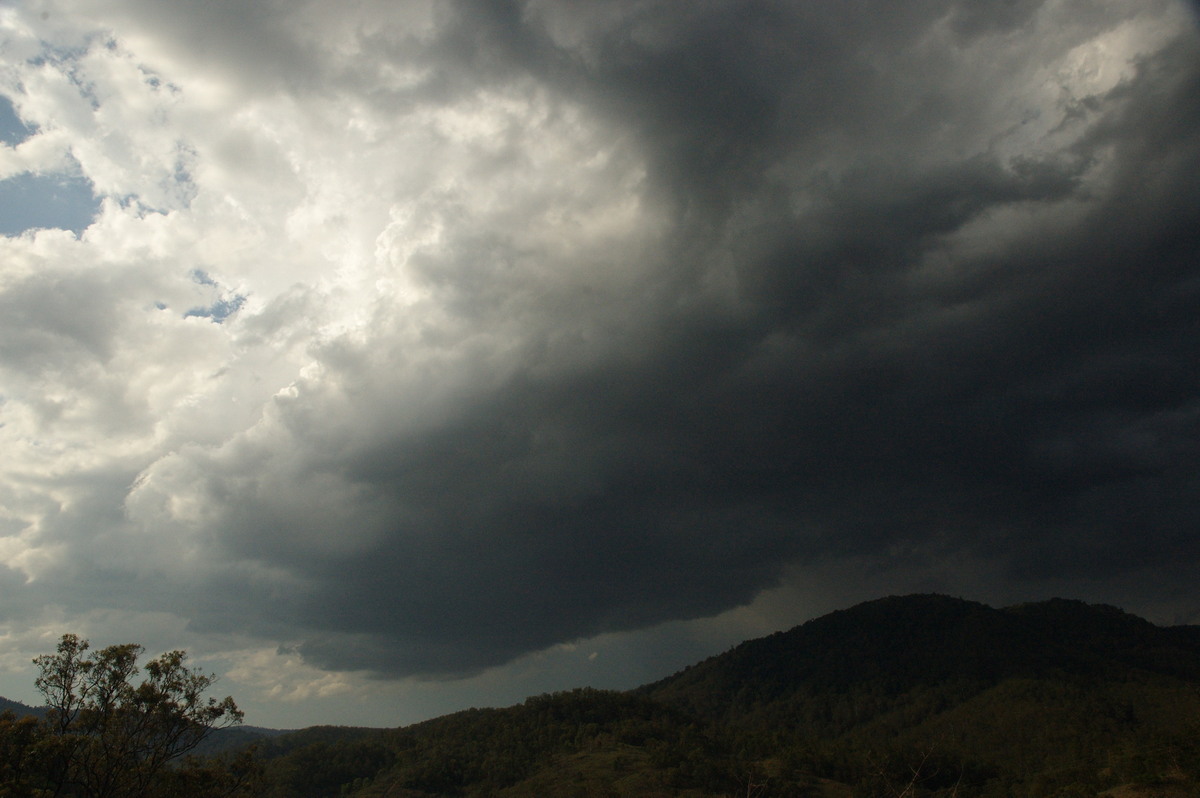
[893, 646]
[911, 695]
[1035, 697]
[581, 742]
[235, 738]
[19, 709]
[922, 695]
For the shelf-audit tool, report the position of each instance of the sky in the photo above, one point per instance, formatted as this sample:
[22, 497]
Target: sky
[397, 358]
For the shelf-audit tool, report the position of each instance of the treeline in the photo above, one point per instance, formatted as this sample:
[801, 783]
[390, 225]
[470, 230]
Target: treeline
[920, 695]
[493, 751]
[1048, 737]
[917, 697]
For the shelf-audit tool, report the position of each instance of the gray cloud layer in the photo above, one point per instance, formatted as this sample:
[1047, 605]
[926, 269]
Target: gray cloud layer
[880, 281]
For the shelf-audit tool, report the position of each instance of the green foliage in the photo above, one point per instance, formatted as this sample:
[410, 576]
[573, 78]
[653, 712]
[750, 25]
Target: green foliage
[324, 762]
[922, 697]
[481, 752]
[225, 776]
[1035, 700]
[107, 736]
[631, 744]
[20, 741]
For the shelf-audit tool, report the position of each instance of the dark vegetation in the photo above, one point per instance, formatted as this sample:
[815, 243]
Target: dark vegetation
[104, 734]
[912, 696]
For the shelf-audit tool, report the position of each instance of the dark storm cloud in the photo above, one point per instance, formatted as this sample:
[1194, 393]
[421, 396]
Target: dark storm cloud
[868, 330]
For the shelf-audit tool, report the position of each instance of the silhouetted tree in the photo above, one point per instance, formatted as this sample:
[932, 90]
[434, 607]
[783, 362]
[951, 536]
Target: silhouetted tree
[109, 737]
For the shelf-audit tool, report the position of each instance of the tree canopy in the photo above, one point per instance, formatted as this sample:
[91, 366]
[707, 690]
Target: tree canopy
[107, 733]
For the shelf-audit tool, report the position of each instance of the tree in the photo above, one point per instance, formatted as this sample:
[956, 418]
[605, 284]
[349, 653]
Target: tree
[111, 738]
[20, 739]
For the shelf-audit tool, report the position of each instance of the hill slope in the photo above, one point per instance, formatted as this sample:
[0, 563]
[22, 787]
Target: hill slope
[916, 696]
[894, 645]
[1031, 699]
[19, 709]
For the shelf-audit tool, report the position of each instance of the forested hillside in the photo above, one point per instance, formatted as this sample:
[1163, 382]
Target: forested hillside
[912, 696]
[1028, 700]
[926, 694]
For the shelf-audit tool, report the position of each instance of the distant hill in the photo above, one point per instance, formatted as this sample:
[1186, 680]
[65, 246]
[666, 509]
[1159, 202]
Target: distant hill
[234, 738]
[1037, 697]
[892, 646]
[19, 709]
[582, 742]
[221, 740]
[912, 696]
[915, 695]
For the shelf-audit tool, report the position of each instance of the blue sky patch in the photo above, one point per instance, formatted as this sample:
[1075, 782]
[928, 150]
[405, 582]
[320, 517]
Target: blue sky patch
[30, 201]
[12, 130]
[219, 310]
